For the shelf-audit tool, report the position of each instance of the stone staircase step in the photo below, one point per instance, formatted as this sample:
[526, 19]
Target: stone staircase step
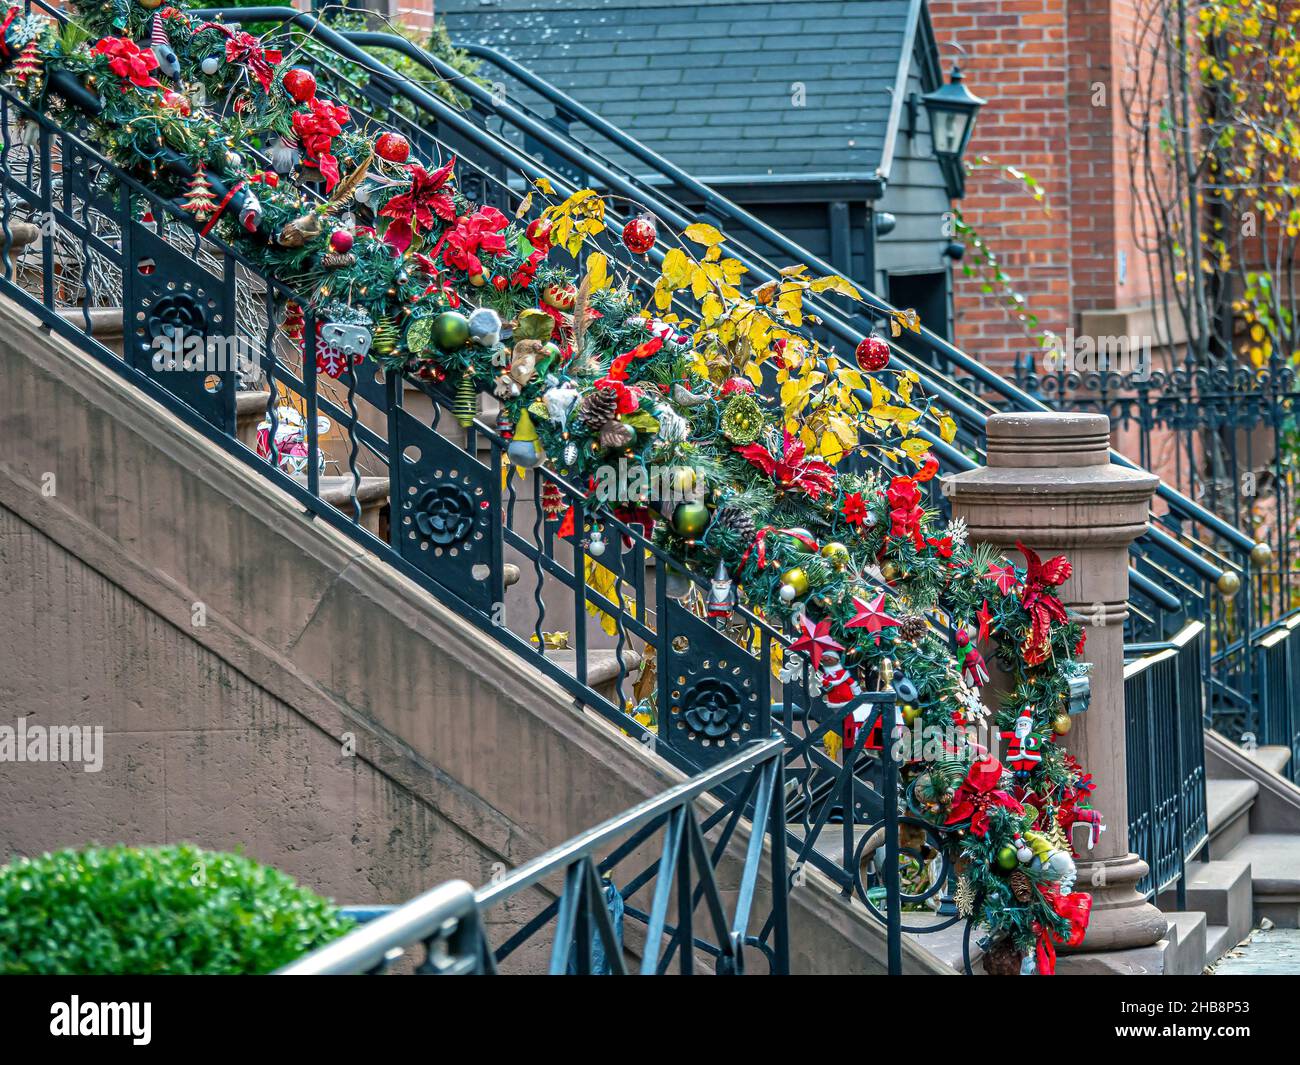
[1228, 803]
[602, 668]
[1187, 935]
[1218, 941]
[1274, 859]
[372, 494]
[1274, 757]
[1222, 891]
[250, 409]
[105, 325]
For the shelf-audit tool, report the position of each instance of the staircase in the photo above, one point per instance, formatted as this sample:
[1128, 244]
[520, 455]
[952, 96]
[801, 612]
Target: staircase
[1251, 870]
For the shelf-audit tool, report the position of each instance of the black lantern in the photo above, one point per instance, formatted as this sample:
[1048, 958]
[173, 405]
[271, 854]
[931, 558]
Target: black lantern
[952, 110]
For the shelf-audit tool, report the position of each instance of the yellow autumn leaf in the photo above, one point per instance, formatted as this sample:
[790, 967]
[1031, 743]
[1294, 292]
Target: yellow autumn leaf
[597, 271]
[841, 286]
[544, 185]
[525, 206]
[676, 270]
[915, 447]
[947, 429]
[755, 373]
[700, 283]
[703, 233]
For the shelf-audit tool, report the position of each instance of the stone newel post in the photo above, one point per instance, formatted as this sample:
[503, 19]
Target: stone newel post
[1050, 483]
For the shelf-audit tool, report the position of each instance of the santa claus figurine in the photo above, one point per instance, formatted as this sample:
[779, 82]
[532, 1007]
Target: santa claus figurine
[840, 689]
[1023, 747]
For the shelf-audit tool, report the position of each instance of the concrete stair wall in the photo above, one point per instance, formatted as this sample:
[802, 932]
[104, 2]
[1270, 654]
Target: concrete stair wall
[263, 683]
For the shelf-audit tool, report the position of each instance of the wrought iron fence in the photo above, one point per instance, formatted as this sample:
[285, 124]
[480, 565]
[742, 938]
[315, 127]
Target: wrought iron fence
[602, 890]
[1167, 816]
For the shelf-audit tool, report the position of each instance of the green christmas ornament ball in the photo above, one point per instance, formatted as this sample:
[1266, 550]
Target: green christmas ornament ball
[1007, 859]
[690, 519]
[450, 330]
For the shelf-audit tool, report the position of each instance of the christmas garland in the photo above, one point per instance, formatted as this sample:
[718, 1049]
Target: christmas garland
[401, 267]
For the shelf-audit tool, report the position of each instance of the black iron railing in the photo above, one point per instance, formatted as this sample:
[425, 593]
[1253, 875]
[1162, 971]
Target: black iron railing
[677, 903]
[1167, 816]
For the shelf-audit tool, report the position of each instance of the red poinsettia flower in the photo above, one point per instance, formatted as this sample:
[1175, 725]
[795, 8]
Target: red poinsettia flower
[942, 545]
[129, 61]
[316, 129]
[413, 212]
[854, 509]
[792, 469]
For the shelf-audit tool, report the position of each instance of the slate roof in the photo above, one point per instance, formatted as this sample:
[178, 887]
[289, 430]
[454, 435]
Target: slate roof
[709, 83]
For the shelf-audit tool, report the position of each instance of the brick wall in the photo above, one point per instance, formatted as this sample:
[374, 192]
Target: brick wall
[1048, 69]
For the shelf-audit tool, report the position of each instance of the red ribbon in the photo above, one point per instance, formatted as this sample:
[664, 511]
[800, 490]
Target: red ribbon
[1076, 908]
[4, 30]
[220, 208]
[978, 794]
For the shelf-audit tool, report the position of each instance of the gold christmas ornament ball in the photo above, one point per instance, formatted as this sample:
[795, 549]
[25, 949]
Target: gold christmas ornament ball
[1228, 584]
[889, 571]
[796, 577]
[690, 519]
[684, 479]
[910, 713]
[1261, 554]
[150, 5]
[836, 554]
[1061, 724]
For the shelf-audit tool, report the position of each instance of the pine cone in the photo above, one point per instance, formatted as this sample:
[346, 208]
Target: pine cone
[598, 407]
[1021, 886]
[913, 627]
[737, 522]
[1003, 959]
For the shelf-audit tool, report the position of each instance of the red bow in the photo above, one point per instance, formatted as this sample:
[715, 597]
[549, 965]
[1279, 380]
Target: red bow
[1076, 908]
[791, 470]
[978, 794]
[413, 211]
[1041, 602]
[905, 510]
[129, 61]
[760, 541]
[317, 131]
[244, 48]
[480, 231]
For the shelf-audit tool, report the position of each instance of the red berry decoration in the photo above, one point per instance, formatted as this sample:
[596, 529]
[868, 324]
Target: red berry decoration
[640, 234]
[392, 147]
[300, 83]
[341, 241]
[873, 354]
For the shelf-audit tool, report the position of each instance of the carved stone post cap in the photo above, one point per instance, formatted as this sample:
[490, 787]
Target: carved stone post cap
[1048, 439]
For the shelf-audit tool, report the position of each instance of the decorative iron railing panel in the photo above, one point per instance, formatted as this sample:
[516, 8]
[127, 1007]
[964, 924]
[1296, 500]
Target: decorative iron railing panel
[1166, 758]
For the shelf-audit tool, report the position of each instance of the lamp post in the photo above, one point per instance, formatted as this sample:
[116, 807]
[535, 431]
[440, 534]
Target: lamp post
[952, 109]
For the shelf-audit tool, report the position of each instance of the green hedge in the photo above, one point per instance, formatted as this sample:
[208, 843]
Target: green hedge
[180, 910]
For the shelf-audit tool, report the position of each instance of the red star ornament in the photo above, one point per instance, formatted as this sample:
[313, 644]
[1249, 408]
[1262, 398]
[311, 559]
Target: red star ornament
[872, 616]
[816, 639]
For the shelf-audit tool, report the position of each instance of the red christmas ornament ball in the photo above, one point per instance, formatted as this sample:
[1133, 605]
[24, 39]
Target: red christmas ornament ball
[341, 241]
[300, 83]
[392, 147]
[176, 101]
[873, 354]
[640, 234]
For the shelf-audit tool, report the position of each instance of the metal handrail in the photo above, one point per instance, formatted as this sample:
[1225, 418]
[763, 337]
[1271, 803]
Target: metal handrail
[449, 919]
